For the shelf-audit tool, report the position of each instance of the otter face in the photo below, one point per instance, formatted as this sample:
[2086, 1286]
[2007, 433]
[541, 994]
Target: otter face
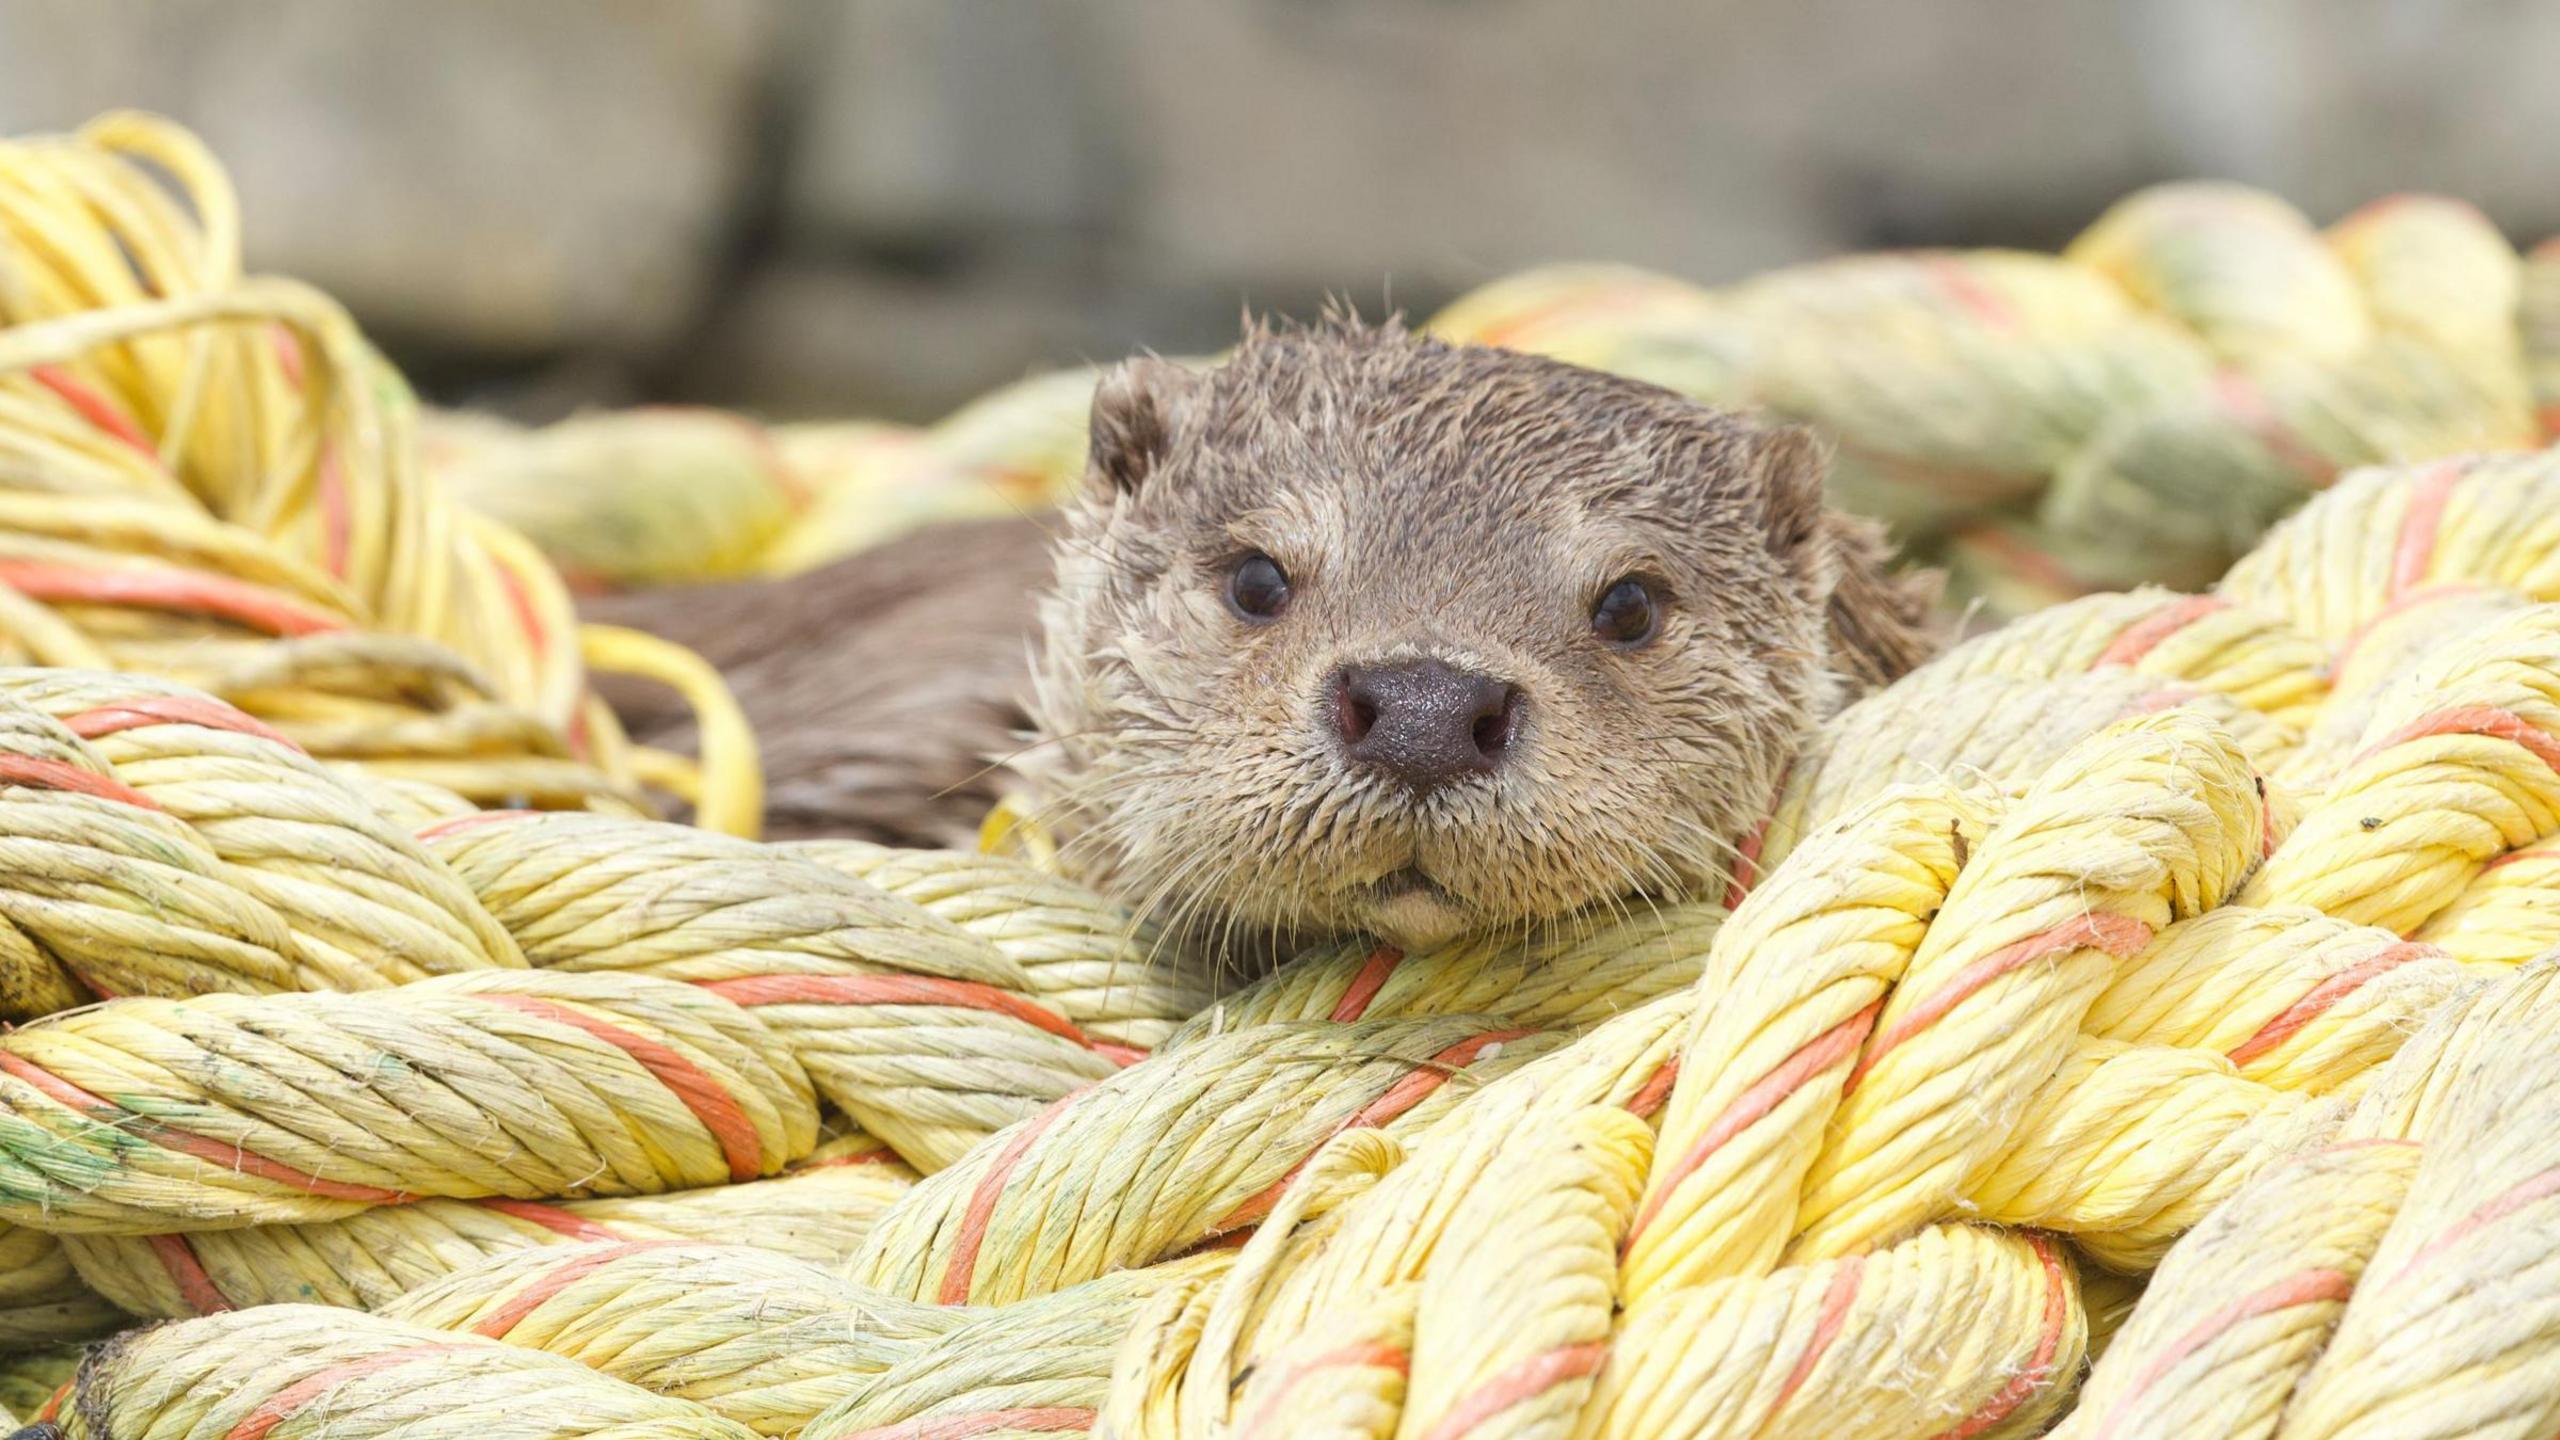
[1364, 633]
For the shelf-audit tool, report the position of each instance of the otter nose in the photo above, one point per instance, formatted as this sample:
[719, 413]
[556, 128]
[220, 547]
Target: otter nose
[1424, 722]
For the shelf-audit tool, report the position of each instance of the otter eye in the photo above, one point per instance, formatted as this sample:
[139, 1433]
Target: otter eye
[1258, 589]
[1626, 615]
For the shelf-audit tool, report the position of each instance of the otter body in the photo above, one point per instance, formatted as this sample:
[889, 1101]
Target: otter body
[1358, 632]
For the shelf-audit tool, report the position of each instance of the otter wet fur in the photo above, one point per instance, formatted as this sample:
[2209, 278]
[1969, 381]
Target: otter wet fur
[1358, 632]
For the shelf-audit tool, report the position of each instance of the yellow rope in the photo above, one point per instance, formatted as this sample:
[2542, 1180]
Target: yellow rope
[757, 1337]
[308, 1370]
[817, 1211]
[728, 795]
[538, 1086]
[43, 1300]
[213, 478]
[1171, 1154]
[929, 1036]
[2454, 771]
[1095, 960]
[656, 496]
[29, 1379]
[1806, 1184]
[1040, 1366]
[2137, 408]
[2374, 1275]
[2162, 978]
[1570, 977]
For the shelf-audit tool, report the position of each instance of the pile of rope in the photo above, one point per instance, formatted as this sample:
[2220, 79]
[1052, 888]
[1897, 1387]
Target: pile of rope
[2141, 1021]
[668, 496]
[2136, 409]
[212, 478]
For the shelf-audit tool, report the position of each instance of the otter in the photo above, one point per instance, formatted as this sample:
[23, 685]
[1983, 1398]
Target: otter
[1357, 632]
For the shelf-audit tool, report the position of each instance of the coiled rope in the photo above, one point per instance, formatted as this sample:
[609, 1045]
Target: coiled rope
[212, 478]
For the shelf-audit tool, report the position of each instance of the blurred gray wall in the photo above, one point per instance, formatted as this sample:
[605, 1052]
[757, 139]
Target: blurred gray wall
[884, 206]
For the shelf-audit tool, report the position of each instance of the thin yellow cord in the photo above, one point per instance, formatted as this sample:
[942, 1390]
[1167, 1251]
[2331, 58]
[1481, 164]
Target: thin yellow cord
[728, 795]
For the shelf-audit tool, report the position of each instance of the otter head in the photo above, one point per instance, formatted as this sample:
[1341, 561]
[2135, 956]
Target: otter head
[1361, 632]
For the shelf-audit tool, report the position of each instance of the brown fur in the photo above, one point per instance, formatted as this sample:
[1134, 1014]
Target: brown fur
[1459, 503]
[881, 687]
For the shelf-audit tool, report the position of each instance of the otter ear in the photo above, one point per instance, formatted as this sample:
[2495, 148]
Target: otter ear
[1135, 409]
[1881, 623]
[1791, 463]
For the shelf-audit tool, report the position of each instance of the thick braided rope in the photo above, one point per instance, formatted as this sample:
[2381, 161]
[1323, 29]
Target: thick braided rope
[1375, 1248]
[696, 494]
[1347, 1359]
[2162, 817]
[929, 1036]
[2204, 642]
[1929, 1091]
[362, 903]
[1358, 1357]
[1999, 732]
[753, 1336]
[2392, 1282]
[2131, 410]
[1621, 1062]
[2508, 914]
[818, 1211]
[2384, 966]
[1171, 1153]
[43, 1300]
[305, 1370]
[2538, 324]
[1900, 857]
[1039, 1366]
[2368, 669]
[149, 1116]
[1570, 976]
[1094, 960]
[2330, 351]
[2460, 766]
[659, 494]
[1615, 318]
[31, 1379]
[2290, 997]
[2143, 1080]
[870, 481]
[777, 1344]
[2385, 537]
[1355, 1252]
[107, 893]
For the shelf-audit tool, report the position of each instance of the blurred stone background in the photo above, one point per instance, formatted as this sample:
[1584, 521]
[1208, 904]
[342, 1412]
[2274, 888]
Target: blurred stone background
[837, 207]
